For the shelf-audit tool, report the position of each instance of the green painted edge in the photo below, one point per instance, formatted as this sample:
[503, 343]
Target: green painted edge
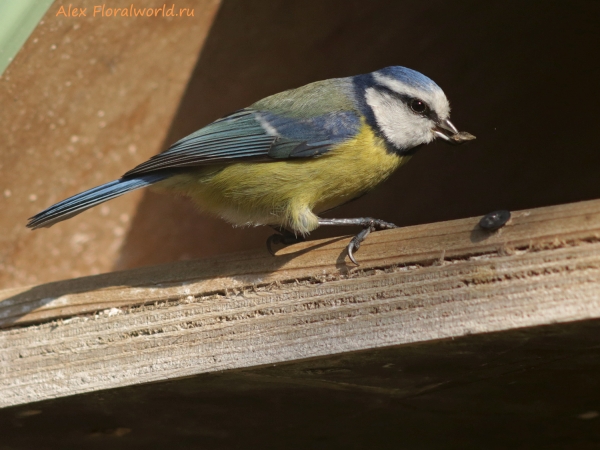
[18, 19]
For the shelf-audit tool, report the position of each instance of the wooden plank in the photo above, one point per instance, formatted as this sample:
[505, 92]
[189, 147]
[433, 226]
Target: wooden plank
[524, 389]
[422, 244]
[416, 284]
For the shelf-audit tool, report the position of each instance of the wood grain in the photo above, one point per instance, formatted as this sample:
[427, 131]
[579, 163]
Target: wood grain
[532, 388]
[415, 284]
[422, 244]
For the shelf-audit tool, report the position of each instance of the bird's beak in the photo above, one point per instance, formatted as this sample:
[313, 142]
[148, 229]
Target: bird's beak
[447, 131]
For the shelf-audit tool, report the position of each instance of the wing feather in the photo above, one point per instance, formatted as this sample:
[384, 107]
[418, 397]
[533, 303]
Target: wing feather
[238, 136]
[257, 134]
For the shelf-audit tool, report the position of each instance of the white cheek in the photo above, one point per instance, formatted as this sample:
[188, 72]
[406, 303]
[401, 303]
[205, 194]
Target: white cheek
[400, 126]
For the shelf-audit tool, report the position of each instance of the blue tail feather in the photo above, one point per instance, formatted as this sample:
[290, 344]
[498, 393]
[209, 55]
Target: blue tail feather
[84, 200]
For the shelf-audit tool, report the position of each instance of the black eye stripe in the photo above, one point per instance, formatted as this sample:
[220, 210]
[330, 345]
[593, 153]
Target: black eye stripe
[407, 100]
[402, 97]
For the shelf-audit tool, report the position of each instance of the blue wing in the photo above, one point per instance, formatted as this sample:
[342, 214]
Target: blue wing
[245, 135]
[85, 200]
[255, 135]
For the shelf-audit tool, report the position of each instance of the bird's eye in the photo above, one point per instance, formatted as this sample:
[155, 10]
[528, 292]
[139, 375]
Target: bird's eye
[418, 106]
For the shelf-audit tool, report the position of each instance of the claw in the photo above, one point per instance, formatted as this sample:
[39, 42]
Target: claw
[273, 239]
[355, 242]
[367, 223]
[350, 255]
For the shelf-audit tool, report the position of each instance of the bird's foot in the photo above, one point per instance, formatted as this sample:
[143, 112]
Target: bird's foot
[368, 223]
[283, 237]
[355, 242]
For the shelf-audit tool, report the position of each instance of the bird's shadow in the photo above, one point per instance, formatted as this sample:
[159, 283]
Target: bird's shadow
[240, 267]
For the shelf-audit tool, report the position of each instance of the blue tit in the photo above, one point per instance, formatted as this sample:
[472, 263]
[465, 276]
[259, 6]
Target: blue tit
[293, 155]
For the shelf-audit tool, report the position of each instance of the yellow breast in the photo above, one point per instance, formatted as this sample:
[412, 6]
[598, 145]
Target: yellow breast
[289, 193]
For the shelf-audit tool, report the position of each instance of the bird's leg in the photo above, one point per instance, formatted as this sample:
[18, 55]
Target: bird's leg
[283, 236]
[368, 223]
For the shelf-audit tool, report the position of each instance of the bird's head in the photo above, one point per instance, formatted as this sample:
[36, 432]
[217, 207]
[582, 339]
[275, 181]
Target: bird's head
[407, 108]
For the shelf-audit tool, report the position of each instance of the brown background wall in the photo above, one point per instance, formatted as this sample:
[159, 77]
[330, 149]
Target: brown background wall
[521, 76]
[84, 100]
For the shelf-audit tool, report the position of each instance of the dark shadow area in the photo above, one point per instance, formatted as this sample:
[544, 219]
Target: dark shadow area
[236, 266]
[478, 234]
[534, 388]
[520, 76]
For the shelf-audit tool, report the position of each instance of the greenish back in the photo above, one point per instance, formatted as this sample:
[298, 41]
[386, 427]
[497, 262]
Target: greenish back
[314, 99]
